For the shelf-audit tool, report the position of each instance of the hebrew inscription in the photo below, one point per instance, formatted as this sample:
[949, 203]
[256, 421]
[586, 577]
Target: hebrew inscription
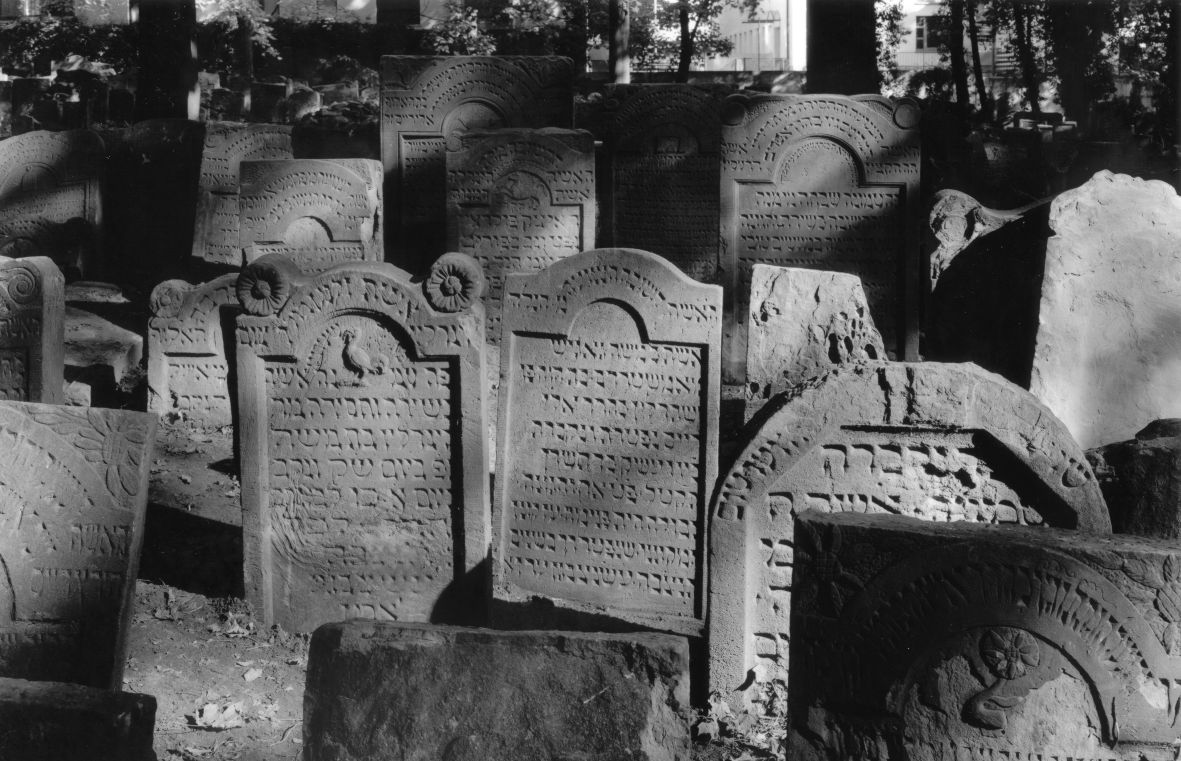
[74, 492]
[32, 330]
[827, 182]
[364, 473]
[425, 101]
[608, 436]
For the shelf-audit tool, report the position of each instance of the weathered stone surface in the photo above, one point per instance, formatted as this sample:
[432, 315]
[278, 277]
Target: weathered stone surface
[32, 319]
[75, 484]
[608, 437]
[378, 691]
[939, 442]
[425, 100]
[1141, 480]
[316, 212]
[801, 324]
[50, 199]
[51, 721]
[94, 342]
[985, 284]
[519, 200]
[661, 145]
[364, 471]
[227, 145]
[827, 182]
[923, 642]
[1107, 361]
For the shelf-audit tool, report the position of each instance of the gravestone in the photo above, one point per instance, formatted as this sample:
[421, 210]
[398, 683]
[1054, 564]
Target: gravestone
[659, 192]
[52, 721]
[827, 182]
[75, 484]
[935, 441]
[50, 201]
[801, 324]
[364, 474]
[607, 449]
[1106, 358]
[227, 145]
[32, 330]
[444, 692]
[1140, 480]
[425, 100]
[316, 212]
[519, 200]
[931, 642]
[190, 382]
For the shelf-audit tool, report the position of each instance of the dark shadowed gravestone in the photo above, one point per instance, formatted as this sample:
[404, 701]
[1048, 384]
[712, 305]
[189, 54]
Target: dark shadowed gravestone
[934, 441]
[75, 483]
[52, 721]
[316, 212]
[418, 691]
[1141, 480]
[50, 201]
[364, 472]
[608, 438]
[427, 99]
[827, 182]
[227, 145]
[659, 190]
[924, 642]
[32, 330]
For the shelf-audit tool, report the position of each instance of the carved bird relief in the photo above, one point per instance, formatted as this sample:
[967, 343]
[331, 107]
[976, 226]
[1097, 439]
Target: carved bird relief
[357, 360]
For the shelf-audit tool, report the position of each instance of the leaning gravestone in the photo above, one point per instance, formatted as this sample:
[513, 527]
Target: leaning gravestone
[924, 642]
[190, 385]
[50, 198]
[935, 441]
[519, 200]
[608, 438]
[75, 488]
[827, 182]
[1106, 360]
[316, 212]
[227, 145]
[364, 474]
[32, 330]
[427, 99]
[661, 145]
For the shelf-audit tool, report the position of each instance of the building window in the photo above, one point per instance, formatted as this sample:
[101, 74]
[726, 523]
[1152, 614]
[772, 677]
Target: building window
[930, 32]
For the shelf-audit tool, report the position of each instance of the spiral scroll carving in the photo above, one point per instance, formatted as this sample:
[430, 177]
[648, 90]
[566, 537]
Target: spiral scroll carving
[168, 297]
[22, 285]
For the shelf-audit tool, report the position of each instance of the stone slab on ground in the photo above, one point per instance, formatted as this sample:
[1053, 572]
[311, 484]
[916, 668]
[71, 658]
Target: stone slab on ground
[383, 690]
[927, 642]
[52, 721]
[1107, 360]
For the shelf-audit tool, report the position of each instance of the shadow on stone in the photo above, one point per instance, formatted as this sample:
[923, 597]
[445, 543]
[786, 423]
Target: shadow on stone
[192, 553]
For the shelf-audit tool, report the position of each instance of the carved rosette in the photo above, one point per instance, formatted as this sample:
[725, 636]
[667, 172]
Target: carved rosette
[168, 297]
[455, 282]
[114, 444]
[264, 286]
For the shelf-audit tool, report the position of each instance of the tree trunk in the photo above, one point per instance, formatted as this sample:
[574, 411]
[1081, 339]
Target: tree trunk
[1023, 38]
[977, 68]
[955, 45]
[619, 23]
[686, 57]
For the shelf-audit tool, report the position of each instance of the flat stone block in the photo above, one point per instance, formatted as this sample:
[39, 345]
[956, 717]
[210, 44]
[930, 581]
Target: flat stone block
[52, 721]
[418, 691]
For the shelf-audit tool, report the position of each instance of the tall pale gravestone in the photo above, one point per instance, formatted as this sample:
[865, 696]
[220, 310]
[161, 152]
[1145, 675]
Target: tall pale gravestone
[32, 330]
[608, 429]
[227, 145]
[934, 441]
[50, 203]
[519, 200]
[933, 642]
[317, 212]
[75, 485]
[827, 182]
[662, 172]
[427, 100]
[1107, 360]
[364, 473]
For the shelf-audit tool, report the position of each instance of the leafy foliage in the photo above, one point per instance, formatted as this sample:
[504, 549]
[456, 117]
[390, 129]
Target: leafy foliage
[746, 735]
[459, 33]
[33, 46]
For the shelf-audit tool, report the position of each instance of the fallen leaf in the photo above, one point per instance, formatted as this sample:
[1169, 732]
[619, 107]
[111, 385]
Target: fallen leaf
[252, 674]
[213, 716]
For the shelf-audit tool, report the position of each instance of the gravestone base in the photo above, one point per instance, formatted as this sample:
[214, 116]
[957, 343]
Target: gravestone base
[53, 721]
[380, 690]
